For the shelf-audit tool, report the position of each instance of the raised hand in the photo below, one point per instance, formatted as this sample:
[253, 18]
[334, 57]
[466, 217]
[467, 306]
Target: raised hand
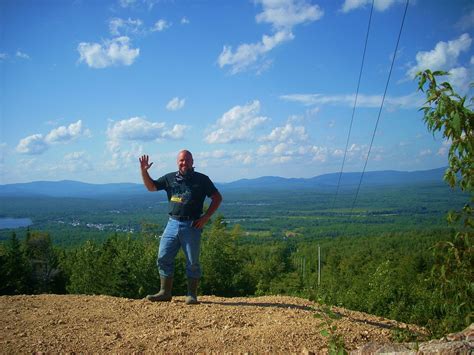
[144, 165]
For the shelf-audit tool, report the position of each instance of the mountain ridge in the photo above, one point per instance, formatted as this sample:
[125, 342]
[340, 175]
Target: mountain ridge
[71, 188]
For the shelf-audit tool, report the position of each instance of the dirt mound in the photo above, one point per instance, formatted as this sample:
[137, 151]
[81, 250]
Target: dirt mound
[97, 324]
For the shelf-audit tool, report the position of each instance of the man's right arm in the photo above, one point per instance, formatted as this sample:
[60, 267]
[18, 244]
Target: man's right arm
[144, 166]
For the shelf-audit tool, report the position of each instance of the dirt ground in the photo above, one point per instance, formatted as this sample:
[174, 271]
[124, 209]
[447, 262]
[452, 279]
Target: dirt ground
[98, 324]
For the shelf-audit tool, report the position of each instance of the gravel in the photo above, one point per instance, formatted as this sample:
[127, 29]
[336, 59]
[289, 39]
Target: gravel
[98, 324]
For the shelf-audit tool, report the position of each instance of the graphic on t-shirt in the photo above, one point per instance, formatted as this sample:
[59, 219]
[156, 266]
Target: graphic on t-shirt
[181, 194]
[177, 199]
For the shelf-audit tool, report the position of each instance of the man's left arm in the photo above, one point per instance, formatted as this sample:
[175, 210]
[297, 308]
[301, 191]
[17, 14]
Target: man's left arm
[216, 200]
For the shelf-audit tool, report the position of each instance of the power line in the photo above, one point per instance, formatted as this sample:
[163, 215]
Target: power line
[381, 105]
[355, 103]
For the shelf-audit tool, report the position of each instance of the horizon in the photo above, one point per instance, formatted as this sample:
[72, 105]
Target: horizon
[88, 86]
[231, 181]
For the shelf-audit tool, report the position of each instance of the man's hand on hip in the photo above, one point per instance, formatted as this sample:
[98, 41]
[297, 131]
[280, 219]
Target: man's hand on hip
[201, 222]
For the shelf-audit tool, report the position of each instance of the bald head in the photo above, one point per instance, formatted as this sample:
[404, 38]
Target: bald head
[186, 152]
[184, 161]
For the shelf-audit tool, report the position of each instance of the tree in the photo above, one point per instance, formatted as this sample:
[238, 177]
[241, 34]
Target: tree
[46, 276]
[80, 264]
[447, 111]
[14, 269]
[121, 266]
[222, 263]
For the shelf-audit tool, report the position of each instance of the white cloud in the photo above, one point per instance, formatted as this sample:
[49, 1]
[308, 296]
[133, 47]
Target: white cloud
[38, 144]
[443, 57]
[135, 129]
[22, 55]
[247, 54]
[312, 111]
[280, 148]
[443, 150]
[65, 134]
[288, 144]
[288, 132]
[370, 101]
[122, 159]
[283, 15]
[237, 124]
[243, 157]
[118, 26]
[76, 162]
[33, 145]
[215, 154]
[357, 152]
[289, 152]
[184, 21]
[379, 5]
[219, 158]
[286, 152]
[460, 78]
[175, 104]
[264, 149]
[137, 3]
[121, 27]
[177, 132]
[425, 152]
[288, 13]
[319, 153]
[74, 156]
[285, 155]
[282, 159]
[160, 25]
[112, 52]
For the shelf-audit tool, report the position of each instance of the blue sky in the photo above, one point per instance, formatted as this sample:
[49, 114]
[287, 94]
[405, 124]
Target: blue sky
[252, 88]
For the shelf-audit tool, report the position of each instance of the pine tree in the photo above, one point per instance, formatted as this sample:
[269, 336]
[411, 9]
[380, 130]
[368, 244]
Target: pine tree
[15, 269]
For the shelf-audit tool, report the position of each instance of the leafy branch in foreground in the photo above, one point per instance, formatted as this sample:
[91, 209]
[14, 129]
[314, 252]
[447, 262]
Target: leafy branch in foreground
[335, 341]
[447, 112]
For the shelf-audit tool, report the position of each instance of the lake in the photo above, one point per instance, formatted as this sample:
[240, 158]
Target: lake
[9, 223]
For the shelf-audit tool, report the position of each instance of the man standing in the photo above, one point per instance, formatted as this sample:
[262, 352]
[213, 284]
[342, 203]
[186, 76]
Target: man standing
[186, 190]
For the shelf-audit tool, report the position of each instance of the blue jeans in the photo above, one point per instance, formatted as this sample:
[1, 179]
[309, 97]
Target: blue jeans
[180, 234]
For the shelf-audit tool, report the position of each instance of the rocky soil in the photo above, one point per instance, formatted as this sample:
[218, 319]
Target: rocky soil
[99, 324]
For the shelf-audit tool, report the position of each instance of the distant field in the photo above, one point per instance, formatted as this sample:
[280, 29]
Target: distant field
[306, 212]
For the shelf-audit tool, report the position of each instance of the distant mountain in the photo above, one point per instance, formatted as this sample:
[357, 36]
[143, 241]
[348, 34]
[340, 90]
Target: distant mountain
[371, 178]
[67, 188]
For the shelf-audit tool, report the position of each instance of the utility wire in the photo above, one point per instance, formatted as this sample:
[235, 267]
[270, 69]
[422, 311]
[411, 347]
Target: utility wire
[355, 103]
[381, 105]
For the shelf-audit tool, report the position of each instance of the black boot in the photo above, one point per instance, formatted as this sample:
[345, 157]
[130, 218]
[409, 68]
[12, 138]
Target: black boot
[165, 291]
[191, 298]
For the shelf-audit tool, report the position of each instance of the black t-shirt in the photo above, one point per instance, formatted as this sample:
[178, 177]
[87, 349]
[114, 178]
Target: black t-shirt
[186, 194]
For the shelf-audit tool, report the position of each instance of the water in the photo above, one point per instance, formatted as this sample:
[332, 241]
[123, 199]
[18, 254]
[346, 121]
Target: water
[10, 223]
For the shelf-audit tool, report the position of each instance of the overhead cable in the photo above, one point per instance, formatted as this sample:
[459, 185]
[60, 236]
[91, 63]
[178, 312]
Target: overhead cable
[355, 103]
[381, 105]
